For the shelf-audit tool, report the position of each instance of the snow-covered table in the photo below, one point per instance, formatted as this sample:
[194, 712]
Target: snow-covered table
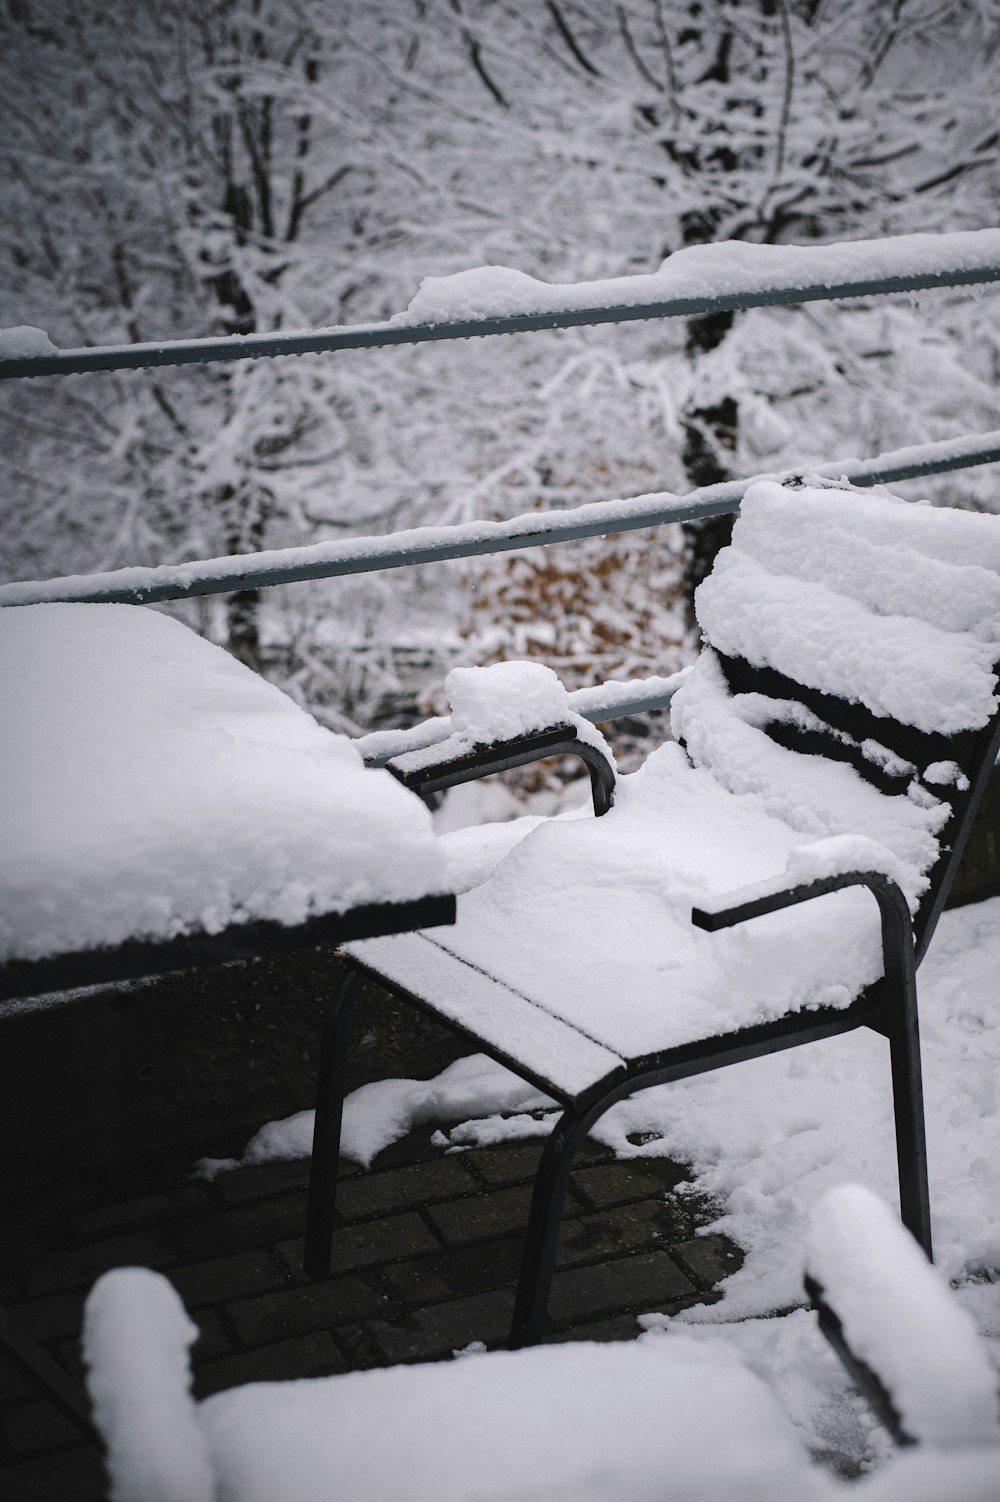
[162, 806]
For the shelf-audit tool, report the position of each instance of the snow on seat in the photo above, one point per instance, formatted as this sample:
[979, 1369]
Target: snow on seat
[590, 919]
[152, 786]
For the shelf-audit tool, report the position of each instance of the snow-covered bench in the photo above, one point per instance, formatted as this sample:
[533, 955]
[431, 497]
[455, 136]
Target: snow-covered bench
[835, 735]
[162, 806]
[669, 1415]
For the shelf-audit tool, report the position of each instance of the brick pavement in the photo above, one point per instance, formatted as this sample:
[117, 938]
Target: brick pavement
[425, 1262]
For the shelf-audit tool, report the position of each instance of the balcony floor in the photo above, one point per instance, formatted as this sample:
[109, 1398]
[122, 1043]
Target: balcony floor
[426, 1263]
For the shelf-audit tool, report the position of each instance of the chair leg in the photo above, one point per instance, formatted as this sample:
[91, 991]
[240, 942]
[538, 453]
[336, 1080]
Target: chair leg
[908, 1109]
[322, 1201]
[542, 1236]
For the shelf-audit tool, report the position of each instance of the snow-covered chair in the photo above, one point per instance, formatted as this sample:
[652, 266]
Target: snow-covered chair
[670, 1414]
[833, 741]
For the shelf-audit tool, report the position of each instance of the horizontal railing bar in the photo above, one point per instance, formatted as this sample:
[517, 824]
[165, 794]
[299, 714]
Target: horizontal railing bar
[752, 276]
[359, 555]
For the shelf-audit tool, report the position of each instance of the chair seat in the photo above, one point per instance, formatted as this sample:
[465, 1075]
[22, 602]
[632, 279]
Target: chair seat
[579, 950]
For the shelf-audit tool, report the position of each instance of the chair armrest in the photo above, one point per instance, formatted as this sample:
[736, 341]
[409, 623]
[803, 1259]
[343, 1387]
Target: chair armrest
[908, 1345]
[450, 762]
[763, 898]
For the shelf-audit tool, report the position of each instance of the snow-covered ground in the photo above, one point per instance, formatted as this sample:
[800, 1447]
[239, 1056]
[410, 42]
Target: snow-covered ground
[765, 1139]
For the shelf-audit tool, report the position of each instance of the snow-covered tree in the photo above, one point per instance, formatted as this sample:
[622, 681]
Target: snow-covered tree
[183, 168]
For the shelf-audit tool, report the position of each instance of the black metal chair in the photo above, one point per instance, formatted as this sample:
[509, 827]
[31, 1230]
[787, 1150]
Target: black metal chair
[904, 766]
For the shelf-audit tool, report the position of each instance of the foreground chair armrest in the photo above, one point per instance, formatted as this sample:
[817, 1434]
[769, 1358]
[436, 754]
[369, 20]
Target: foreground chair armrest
[905, 1342]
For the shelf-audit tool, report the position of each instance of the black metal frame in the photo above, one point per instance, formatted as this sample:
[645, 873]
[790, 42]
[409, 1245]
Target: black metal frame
[889, 1007]
[865, 1379]
[143, 959]
[518, 751]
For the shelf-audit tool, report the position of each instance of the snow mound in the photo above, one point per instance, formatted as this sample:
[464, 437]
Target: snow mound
[135, 1343]
[25, 343]
[152, 786]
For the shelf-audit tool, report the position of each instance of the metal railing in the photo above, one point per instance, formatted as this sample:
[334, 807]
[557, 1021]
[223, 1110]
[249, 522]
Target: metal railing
[779, 276]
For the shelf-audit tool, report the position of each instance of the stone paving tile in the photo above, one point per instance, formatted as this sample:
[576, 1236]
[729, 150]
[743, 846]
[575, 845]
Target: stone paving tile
[50, 1317]
[78, 1266]
[31, 1428]
[444, 1328]
[708, 1259]
[630, 1282]
[14, 1388]
[259, 1180]
[241, 1229]
[213, 1340]
[455, 1273]
[464, 1221]
[609, 1232]
[202, 1283]
[69, 1476]
[513, 1165]
[612, 1327]
[374, 1194]
[190, 1198]
[315, 1355]
[299, 1311]
[605, 1184]
[504, 1165]
[373, 1242]
[20, 1248]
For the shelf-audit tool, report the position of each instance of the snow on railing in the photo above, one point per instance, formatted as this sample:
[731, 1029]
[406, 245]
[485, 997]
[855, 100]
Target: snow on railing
[362, 555]
[498, 300]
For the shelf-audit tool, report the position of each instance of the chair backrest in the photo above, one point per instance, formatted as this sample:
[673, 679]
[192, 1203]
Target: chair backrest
[847, 629]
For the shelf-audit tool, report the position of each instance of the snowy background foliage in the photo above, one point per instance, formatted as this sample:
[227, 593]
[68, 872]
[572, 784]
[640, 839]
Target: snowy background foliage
[178, 168]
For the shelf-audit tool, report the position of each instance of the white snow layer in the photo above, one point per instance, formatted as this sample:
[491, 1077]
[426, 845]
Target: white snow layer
[135, 1345]
[499, 703]
[581, 1422]
[505, 700]
[700, 271]
[875, 600]
[24, 343]
[152, 785]
[899, 1317]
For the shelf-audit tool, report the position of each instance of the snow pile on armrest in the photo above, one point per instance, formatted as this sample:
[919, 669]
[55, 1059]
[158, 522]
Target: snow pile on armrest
[152, 785]
[500, 703]
[135, 1342]
[900, 1319]
[505, 700]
